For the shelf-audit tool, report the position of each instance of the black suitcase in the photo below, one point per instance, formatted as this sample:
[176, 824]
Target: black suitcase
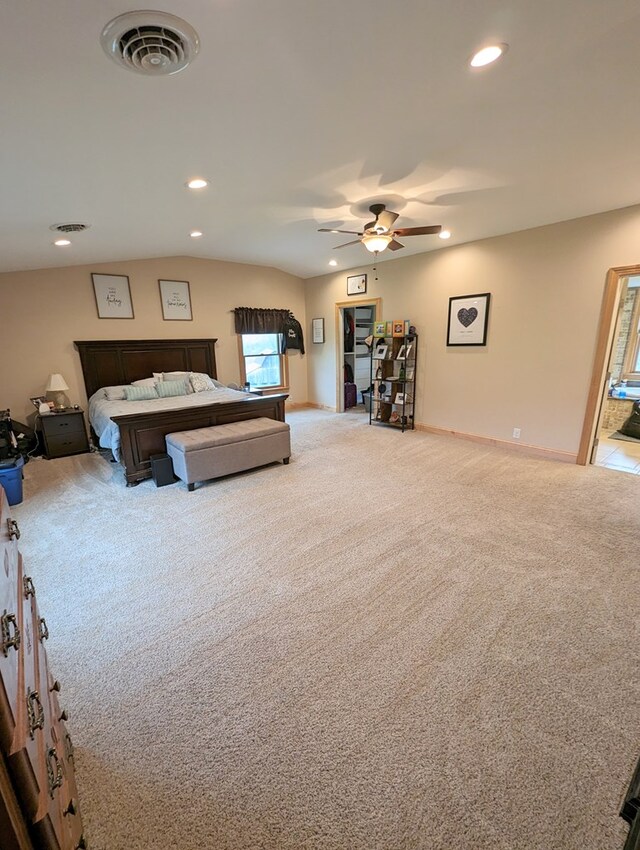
[350, 395]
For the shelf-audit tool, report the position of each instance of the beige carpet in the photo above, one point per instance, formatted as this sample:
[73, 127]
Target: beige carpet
[397, 641]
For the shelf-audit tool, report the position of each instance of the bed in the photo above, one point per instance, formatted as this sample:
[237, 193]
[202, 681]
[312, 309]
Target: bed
[141, 433]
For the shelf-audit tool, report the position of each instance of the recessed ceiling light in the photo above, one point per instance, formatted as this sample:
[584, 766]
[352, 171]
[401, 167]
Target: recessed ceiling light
[333, 262]
[195, 234]
[487, 55]
[444, 234]
[197, 183]
[61, 242]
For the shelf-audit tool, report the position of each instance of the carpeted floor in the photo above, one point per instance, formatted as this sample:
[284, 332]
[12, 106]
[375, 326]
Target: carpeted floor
[397, 641]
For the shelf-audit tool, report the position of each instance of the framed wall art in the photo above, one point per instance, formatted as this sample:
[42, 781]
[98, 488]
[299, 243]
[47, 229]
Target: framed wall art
[176, 300]
[113, 296]
[356, 284]
[468, 319]
[317, 330]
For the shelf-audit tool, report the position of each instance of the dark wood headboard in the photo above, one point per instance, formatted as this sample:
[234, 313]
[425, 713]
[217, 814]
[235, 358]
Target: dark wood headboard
[108, 363]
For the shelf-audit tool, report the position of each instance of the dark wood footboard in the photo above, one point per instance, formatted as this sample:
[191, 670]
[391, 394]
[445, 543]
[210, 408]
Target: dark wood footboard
[143, 434]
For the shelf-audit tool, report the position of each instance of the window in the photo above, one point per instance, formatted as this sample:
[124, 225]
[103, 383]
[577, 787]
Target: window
[261, 362]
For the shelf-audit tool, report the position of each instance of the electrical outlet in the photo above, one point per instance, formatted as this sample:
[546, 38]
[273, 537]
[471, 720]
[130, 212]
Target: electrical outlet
[516, 433]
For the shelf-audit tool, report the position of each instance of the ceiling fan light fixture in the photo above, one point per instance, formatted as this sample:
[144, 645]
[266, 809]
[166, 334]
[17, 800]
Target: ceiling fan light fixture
[376, 242]
[487, 55]
[445, 234]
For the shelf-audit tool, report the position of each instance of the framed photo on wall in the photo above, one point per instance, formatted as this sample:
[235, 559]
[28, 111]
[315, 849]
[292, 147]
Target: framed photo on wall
[317, 327]
[468, 319]
[176, 300]
[113, 296]
[356, 284]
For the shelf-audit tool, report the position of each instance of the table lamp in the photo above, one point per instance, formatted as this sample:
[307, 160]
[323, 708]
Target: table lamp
[57, 385]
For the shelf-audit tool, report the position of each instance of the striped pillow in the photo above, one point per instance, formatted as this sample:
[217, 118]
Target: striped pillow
[167, 389]
[140, 393]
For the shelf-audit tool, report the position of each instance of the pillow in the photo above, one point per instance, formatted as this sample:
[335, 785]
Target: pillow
[178, 376]
[140, 393]
[168, 389]
[145, 382]
[157, 376]
[114, 393]
[201, 382]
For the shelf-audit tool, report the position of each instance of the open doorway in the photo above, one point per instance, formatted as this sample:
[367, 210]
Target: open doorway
[611, 433]
[354, 324]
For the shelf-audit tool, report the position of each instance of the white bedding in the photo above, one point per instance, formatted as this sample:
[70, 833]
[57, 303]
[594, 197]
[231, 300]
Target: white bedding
[101, 411]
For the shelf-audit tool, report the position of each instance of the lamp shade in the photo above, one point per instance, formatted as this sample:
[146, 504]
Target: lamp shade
[376, 241]
[56, 384]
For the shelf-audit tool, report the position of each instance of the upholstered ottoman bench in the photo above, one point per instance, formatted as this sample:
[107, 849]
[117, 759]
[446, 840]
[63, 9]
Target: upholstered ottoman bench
[207, 453]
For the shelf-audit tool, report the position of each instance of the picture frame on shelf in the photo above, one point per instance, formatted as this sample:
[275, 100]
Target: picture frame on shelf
[175, 296]
[397, 328]
[356, 284]
[389, 330]
[409, 374]
[409, 351]
[379, 329]
[400, 398]
[381, 352]
[113, 296]
[468, 319]
[402, 352]
[317, 330]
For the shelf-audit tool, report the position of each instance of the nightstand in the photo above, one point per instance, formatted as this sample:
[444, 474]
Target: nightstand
[64, 433]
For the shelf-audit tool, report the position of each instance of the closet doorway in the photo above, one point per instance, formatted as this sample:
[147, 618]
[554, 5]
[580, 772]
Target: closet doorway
[354, 323]
[609, 437]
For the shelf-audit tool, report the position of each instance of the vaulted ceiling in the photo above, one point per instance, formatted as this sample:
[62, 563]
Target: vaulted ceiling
[301, 114]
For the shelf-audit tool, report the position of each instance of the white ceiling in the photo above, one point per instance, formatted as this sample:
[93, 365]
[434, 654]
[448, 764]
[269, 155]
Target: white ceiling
[302, 113]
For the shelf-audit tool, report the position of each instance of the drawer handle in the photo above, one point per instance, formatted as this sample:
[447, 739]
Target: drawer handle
[54, 770]
[29, 589]
[68, 746]
[43, 631]
[14, 531]
[71, 809]
[55, 686]
[64, 714]
[9, 622]
[82, 844]
[35, 712]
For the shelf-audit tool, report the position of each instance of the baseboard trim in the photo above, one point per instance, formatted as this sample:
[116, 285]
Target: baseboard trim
[521, 448]
[317, 406]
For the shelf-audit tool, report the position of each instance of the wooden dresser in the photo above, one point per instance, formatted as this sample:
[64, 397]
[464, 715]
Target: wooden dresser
[38, 799]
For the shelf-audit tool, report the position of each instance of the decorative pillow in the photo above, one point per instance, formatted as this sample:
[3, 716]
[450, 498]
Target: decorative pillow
[157, 376]
[114, 393]
[178, 376]
[144, 382]
[201, 382]
[140, 393]
[168, 389]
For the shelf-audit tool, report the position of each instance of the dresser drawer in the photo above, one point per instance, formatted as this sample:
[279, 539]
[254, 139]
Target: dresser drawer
[67, 444]
[10, 650]
[58, 424]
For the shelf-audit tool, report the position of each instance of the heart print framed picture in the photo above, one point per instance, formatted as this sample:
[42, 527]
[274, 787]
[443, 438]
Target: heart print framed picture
[468, 319]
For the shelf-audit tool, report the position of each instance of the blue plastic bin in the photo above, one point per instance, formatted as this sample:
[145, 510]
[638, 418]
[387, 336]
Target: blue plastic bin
[11, 481]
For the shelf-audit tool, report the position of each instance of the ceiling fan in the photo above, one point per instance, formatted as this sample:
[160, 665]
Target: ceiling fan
[378, 235]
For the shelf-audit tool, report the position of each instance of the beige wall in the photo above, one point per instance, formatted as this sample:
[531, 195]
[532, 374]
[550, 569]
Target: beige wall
[546, 288]
[42, 312]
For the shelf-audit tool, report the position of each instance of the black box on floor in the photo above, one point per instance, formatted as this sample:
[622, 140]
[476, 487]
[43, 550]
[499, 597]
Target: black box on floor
[162, 470]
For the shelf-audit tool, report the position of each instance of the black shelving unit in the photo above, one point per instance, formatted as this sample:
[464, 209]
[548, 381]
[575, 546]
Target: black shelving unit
[393, 382]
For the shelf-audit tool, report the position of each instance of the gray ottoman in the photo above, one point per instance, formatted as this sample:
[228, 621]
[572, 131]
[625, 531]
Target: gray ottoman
[222, 449]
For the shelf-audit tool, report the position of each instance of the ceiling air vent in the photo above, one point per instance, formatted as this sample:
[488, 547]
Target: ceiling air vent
[69, 228]
[152, 43]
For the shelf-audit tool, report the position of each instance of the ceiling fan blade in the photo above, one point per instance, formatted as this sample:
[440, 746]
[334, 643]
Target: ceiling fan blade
[418, 231]
[355, 242]
[386, 219]
[394, 245]
[333, 230]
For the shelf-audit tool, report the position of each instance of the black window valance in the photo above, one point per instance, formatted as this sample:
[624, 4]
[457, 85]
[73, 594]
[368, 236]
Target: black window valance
[254, 320]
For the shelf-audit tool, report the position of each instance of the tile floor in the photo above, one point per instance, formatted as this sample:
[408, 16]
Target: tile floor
[618, 454]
